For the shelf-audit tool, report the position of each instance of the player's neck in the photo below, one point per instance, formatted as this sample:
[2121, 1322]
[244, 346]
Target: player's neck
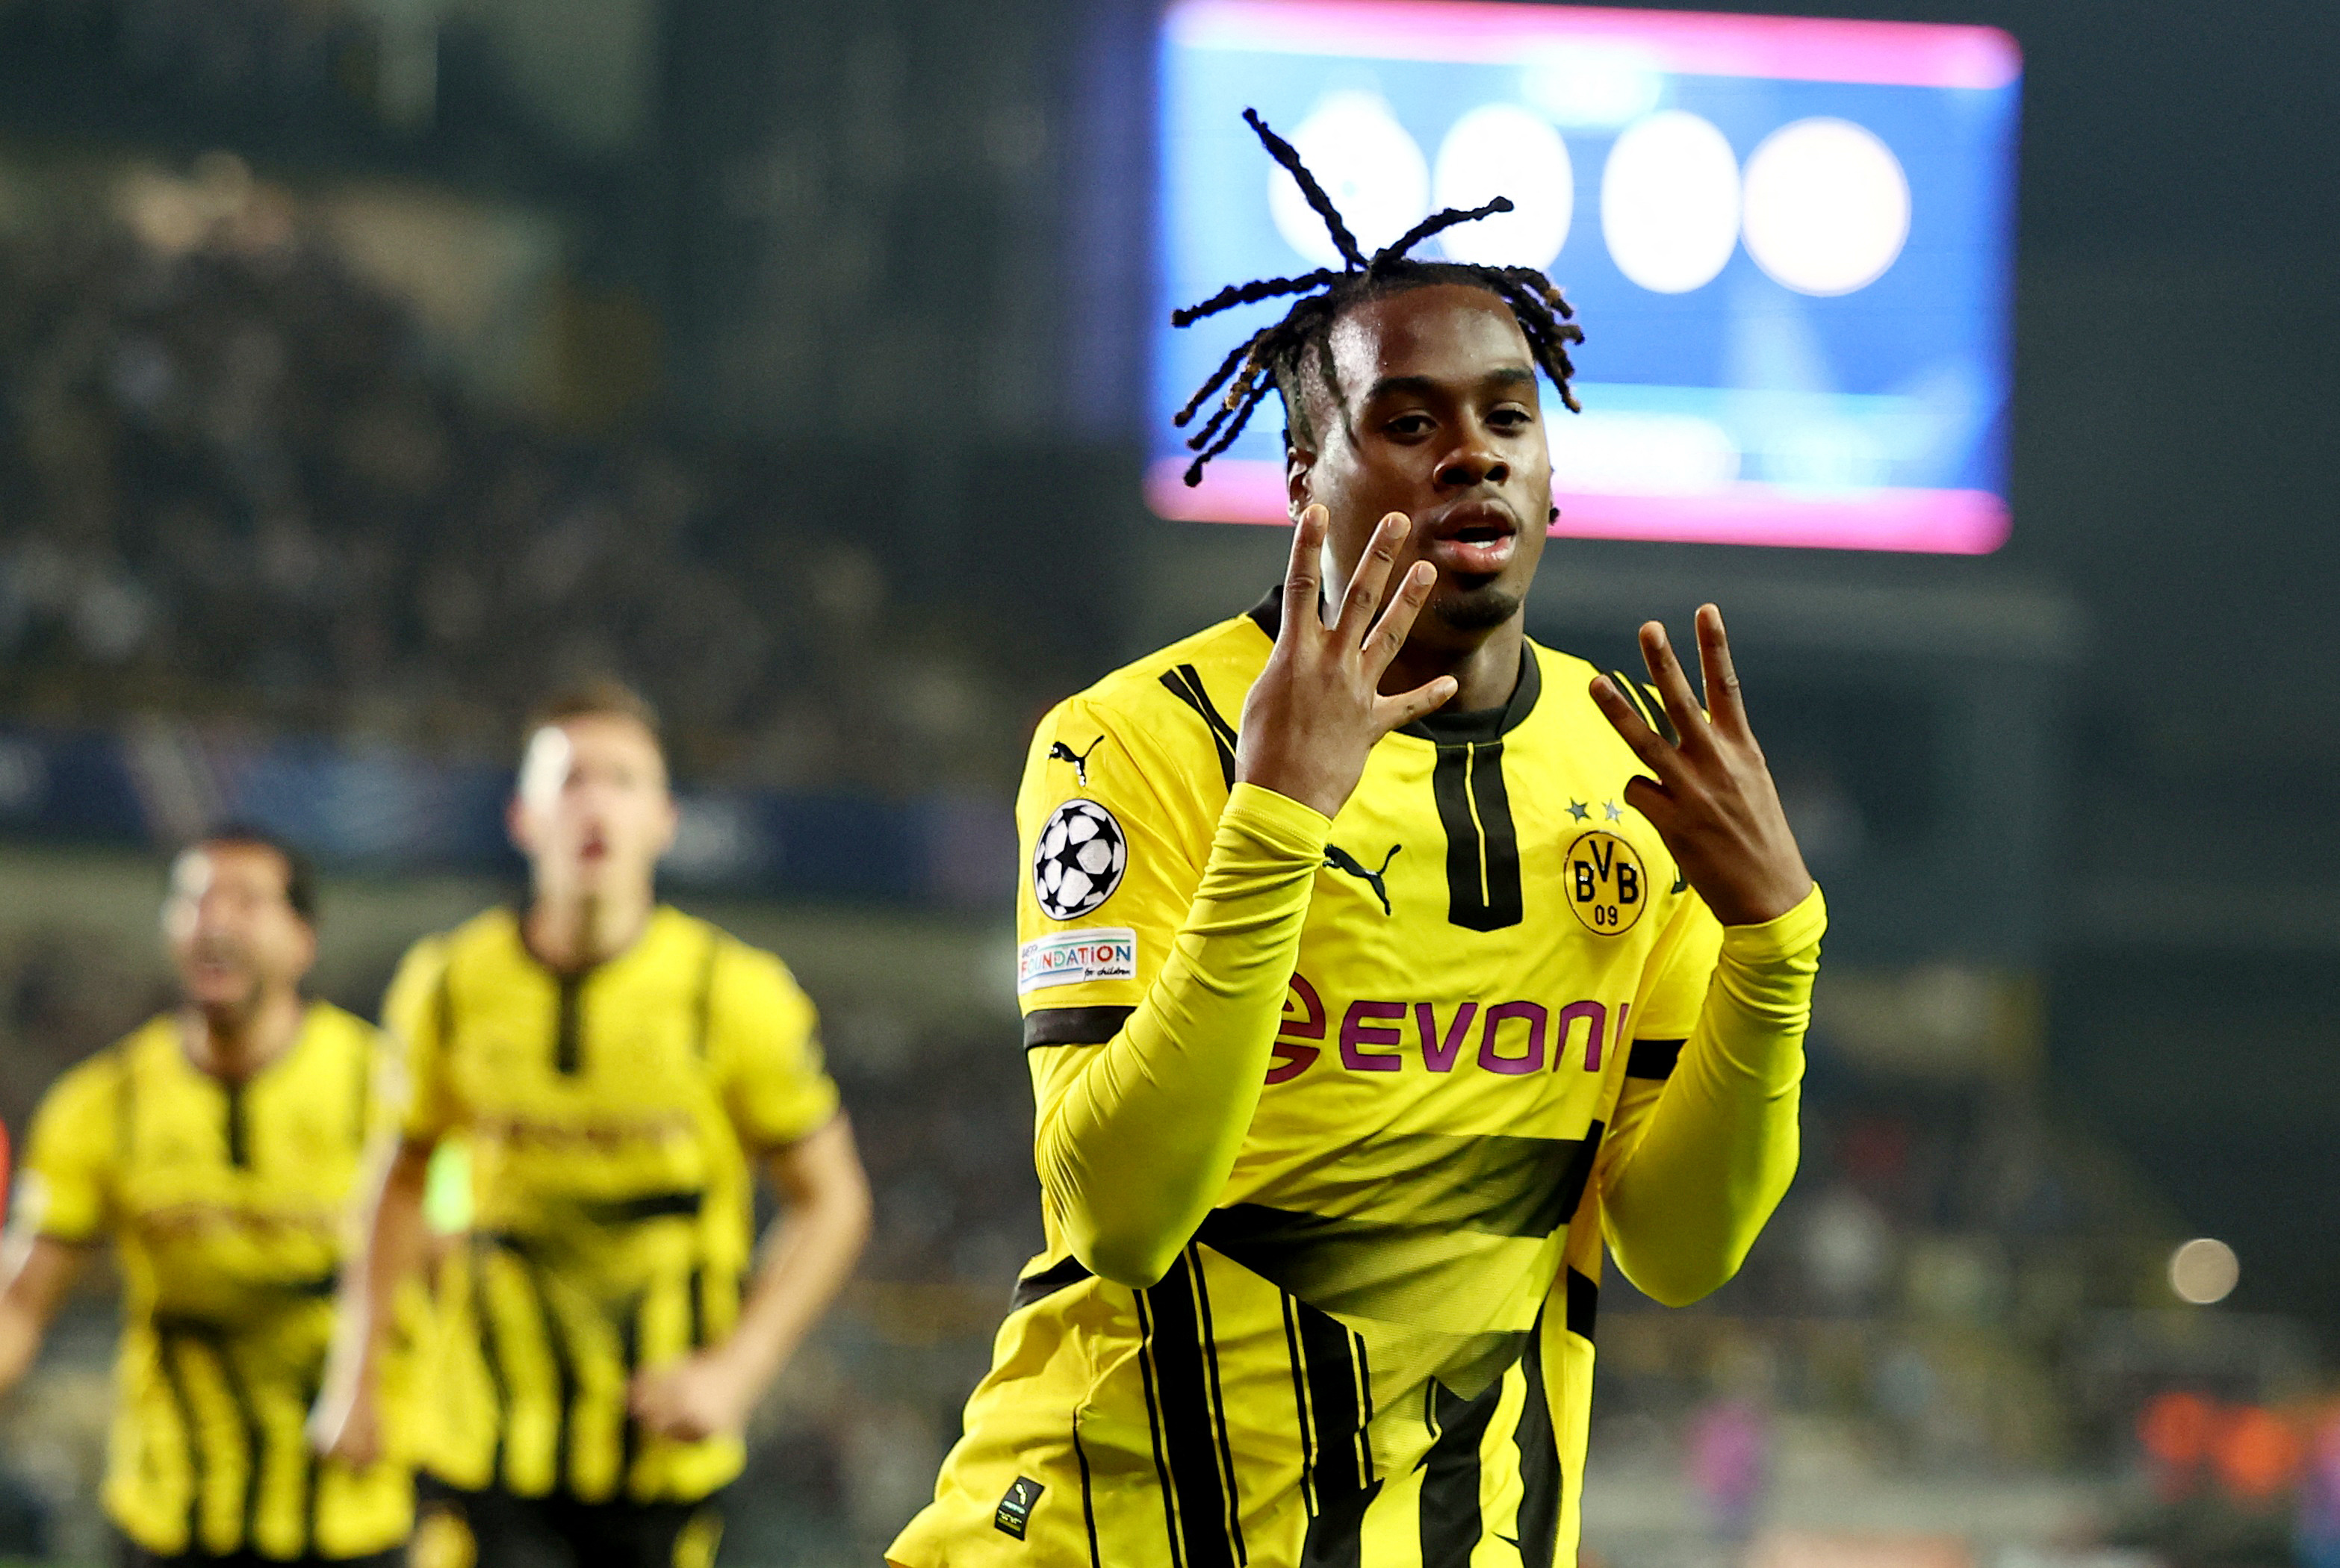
[1485, 669]
[235, 1043]
[573, 932]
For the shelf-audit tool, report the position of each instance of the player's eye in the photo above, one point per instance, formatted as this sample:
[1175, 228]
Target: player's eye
[1511, 417]
[1407, 425]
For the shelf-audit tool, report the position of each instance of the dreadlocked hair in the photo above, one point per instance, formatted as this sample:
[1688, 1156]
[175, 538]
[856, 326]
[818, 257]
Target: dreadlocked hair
[1278, 358]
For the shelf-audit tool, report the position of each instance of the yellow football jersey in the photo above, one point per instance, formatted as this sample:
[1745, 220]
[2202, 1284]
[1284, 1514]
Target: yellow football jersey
[227, 1205]
[610, 1117]
[1378, 1347]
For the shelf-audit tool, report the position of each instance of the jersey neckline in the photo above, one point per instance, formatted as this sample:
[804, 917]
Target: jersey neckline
[1478, 727]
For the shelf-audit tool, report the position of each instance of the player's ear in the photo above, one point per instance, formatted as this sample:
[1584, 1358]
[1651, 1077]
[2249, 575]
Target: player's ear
[1299, 471]
[516, 827]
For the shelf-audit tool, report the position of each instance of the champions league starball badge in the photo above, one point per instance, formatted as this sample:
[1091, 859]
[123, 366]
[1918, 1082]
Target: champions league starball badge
[1079, 861]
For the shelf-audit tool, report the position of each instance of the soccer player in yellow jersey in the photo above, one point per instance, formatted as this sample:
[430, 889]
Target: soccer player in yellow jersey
[620, 1073]
[1357, 1026]
[218, 1147]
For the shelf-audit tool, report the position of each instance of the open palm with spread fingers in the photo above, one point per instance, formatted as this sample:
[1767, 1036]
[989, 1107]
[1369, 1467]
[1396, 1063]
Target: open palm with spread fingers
[1318, 708]
[1713, 801]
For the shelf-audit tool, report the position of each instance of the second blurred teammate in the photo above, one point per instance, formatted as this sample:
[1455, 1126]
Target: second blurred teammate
[617, 1072]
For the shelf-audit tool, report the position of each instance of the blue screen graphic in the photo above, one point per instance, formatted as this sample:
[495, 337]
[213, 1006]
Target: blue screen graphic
[1789, 243]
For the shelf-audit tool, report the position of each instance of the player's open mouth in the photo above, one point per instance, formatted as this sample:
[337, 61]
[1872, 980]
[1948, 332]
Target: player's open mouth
[1475, 540]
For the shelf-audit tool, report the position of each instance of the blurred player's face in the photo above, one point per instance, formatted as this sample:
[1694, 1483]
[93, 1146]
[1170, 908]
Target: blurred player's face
[593, 814]
[233, 933]
[1436, 417]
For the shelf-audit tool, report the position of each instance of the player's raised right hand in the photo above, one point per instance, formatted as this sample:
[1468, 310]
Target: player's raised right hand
[1317, 709]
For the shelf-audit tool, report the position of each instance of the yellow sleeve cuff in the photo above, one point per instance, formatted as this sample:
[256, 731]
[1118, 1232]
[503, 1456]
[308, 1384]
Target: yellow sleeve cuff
[1277, 823]
[1794, 934]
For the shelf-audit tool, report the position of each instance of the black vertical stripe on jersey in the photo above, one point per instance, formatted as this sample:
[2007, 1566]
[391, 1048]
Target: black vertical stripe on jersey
[1451, 1520]
[564, 1374]
[630, 1355]
[1089, 1504]
[1583, 1303]
[247, 1417]
[568, 1047]
[1483, 846]
[1218, 1406]
[1147, 1379]
[1338, 1481]
[1308, 1419]
[1538, 1446]
[1190, 1440]
[1504, 903]
[311, 1468]
[167, 1344]
[491, 1360]
[239, 1128]
[312, 1387]
[699, 1309]
[1184, 684]
[1336, 1537]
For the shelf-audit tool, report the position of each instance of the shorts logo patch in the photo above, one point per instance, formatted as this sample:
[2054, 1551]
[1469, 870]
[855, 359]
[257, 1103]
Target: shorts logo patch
[1069, 957]
[1607, 887]
[1016, 1508]
[1079, 860]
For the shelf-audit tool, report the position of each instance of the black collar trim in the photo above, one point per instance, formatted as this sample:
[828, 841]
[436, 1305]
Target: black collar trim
[1476, 727]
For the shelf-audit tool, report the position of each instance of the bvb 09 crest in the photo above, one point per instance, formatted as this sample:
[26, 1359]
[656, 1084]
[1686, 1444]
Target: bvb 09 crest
[1607, 886]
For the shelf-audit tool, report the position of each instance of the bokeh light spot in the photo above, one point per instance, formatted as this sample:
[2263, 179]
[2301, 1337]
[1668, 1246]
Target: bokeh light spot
[1670, 201]
[2204, 1270]
[1373, 170]
[1827, 206]
[1502, 150]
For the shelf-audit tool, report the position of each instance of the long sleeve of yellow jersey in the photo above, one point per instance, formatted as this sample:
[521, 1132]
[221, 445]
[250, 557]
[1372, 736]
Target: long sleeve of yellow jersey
[1135, 1137]
[1701, 1155]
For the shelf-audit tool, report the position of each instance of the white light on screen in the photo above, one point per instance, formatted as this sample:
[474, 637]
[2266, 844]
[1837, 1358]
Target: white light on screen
[1502, 150]
[1377, 177]
[2203, 1271]
[1670, 201]
[1827, 206]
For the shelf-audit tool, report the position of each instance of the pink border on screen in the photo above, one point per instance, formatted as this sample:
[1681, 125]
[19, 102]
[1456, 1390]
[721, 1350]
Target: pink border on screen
[1686, 43]
[1939, 522]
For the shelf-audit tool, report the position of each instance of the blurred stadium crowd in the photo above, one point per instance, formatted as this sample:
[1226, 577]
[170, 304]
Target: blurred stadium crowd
[237, 488]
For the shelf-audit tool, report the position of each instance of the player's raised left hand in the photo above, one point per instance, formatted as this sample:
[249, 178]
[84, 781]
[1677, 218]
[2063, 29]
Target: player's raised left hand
[1713, 801]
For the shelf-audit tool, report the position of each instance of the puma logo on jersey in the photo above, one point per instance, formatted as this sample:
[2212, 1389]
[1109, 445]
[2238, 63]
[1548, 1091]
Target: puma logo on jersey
[1058, 752]
[1340, 860]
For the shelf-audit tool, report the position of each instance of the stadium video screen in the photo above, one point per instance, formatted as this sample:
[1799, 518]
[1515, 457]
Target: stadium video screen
[1788, 242]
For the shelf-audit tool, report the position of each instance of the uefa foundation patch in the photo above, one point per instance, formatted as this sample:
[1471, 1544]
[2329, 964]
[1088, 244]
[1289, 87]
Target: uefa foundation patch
[1069, 957]
[1016, 1508]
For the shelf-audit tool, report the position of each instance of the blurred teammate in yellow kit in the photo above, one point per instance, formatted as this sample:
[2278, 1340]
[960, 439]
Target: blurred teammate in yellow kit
[218, 1148]
[617, 1073]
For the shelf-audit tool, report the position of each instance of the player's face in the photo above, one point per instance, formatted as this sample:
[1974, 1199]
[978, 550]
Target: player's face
[1437, 418]
[233, 933]
[593, 814]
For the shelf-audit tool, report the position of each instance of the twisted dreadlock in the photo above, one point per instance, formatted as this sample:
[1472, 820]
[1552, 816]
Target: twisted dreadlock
[1279, 357]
